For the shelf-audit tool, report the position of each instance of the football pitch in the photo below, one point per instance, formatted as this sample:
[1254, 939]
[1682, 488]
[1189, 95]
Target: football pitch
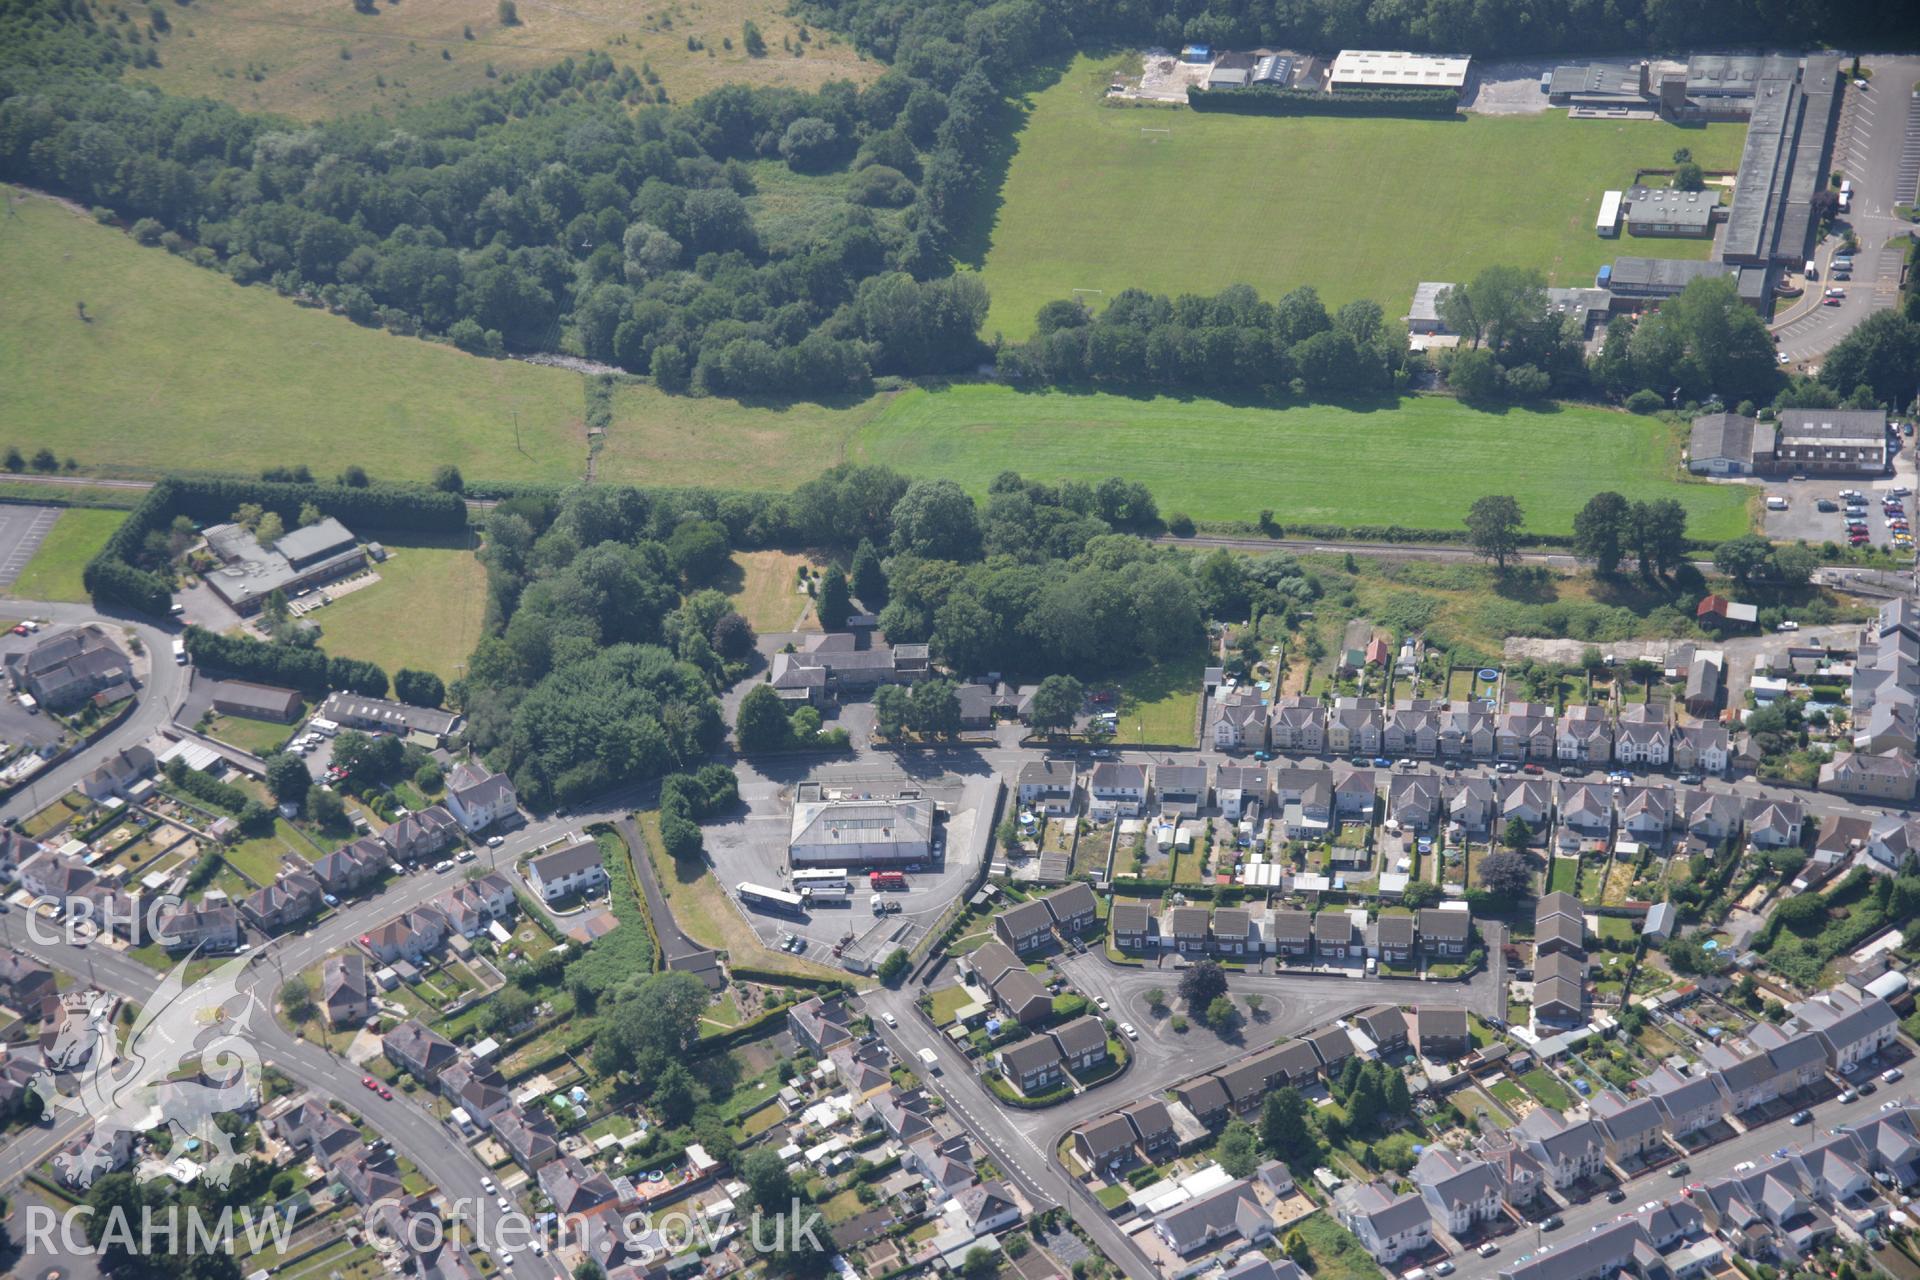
[1419, 462]
[1101, 198]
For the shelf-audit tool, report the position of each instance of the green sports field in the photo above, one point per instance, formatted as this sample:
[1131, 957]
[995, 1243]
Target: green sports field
[1356, 208]
[1419, 464]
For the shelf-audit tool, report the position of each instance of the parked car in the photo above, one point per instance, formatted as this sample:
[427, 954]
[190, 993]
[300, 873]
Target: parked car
[1616, 1195]
[1892, 1075]
[1126, 1029]
[1679, 1170]
[494, 842]
[1802, 1117]
[1825, 504]
[1488, 1249]
[1552, 1222]
[1506, 766]
[445, 864]
[890, 1020]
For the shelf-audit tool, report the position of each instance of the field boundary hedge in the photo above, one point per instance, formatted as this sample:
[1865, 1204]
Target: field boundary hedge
[1271, 100]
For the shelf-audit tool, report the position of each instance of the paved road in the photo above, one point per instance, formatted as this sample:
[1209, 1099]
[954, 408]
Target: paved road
[159, 697]
[675, 945]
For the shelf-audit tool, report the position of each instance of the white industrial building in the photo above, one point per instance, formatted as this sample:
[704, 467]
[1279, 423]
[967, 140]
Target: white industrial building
[1377, 69]
[864, 832]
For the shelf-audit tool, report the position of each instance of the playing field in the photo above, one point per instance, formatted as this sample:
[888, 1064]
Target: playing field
[1419, 464]
[176, 368]
[296, 58]
[424, 613]
[1355, 208]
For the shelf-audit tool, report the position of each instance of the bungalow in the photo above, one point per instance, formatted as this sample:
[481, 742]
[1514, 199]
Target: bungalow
[1524, 731]
[1204, 1221]
[1445, 933]
[1388, 1225]
[1584, 733]
[1032, 1065]
[416, 1049]
[1413, 800]
[1290, 931]
[1441, 1033]
[1702, 746]
[1642, 736]
[478, 797]
[118, 773]
[1560, 989]
[1354, 791]
[1188, 929]
[988, 1207]
[1568, 1150]
[1629, 1127]
[1241, 791]
[1298, 725]
[1050, 786]
[1025, 927]
[1182, 788]
[1394, 937]
[346, 992]
[1354, 728]
[1333, 935]
[1774, 824]
[1687, 1104]
[820, 1023]
[1117, 789]
[1133, 926]
[1240, 721]
[1469, 804]
[1460, 1191]
[573, 868]
[1082, 1042]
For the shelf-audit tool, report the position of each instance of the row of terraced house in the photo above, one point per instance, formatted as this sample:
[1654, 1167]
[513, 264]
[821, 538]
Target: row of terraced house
[1639, 734]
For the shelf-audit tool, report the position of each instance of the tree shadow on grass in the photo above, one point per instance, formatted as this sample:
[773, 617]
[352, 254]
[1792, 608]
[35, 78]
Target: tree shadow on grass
[1528, 584]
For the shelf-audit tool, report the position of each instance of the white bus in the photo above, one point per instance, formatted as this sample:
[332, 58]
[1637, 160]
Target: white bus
[765, 899]
[831, 879]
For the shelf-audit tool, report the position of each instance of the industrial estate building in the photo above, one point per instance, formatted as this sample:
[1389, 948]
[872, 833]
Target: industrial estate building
[859, 832]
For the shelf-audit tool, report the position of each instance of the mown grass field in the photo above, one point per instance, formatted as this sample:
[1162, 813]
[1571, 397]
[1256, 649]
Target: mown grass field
[285, 56]
[177, 368]
[424, 613]
[1356, 208]
[762, 587]
[1419, 464]
[76, 537]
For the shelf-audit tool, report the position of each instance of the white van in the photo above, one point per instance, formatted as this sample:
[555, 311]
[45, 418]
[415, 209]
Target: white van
[179, 651]
[1776, 504]
[928, 1060]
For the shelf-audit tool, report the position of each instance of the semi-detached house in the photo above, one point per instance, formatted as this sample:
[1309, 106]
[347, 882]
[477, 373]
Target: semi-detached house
[573, 868]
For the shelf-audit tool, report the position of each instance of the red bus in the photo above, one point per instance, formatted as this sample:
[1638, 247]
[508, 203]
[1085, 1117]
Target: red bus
[886, 880]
